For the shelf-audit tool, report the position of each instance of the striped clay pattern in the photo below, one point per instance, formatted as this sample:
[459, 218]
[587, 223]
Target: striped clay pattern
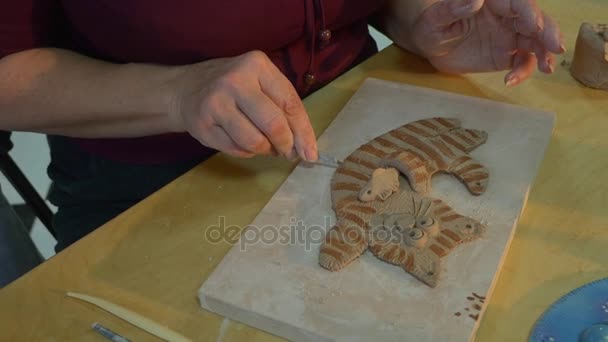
[418, 150]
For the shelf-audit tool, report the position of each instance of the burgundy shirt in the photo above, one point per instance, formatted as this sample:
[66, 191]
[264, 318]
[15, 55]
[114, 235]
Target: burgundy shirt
[322, 38]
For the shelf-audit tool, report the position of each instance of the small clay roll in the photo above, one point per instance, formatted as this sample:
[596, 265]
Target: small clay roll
[590, 62]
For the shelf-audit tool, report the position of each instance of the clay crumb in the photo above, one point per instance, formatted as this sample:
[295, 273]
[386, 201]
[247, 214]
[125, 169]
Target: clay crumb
[478, 296]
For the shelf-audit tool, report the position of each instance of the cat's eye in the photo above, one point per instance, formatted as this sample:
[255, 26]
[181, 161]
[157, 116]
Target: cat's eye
[424, 222]
[416, 234]
[415, 237]
[430, 226]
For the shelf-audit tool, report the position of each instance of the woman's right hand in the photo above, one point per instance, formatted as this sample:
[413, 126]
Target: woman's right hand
[243, 106]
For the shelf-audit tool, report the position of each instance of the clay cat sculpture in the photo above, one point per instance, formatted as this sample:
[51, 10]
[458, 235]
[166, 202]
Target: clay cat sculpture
[404, 227]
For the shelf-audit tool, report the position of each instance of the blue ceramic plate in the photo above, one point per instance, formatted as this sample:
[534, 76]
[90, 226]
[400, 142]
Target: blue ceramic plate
[581, 313]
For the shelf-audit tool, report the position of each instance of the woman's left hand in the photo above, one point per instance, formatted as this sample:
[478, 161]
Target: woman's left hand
[461, 36]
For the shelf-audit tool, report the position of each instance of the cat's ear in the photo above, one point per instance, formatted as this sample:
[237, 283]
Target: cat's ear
[466, 228]
[423, 265]
[454, 228]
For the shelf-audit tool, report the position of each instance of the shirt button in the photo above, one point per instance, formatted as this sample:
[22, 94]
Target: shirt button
[309, 79]
[325, 36]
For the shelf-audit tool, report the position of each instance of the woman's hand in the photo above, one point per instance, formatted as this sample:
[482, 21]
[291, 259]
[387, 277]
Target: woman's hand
[243, 106]
[461, 36]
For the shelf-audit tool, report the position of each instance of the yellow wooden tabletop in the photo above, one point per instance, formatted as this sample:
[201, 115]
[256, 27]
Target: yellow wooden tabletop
[153, 258]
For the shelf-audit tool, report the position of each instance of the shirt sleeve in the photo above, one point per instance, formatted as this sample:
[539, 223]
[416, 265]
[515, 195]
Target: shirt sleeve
[28, 24]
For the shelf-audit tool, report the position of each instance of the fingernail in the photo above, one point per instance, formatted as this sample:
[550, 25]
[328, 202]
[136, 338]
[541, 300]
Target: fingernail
[311, 154]
[562, 48]
[511, 81]
[549, 66]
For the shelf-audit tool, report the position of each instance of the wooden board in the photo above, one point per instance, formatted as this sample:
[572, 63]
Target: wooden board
[271, 278]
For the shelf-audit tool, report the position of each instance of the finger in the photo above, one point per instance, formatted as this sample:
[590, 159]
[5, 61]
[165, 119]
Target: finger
[551, 36]
[281, 92]
[242, 131]
[545, 59]
[269, 119]
[218, 139]
[445, 13]
[526, 43]
[528, 18]
[523, 66]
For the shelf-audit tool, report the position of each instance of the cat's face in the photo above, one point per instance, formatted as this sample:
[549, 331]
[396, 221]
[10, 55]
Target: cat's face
[405, 229]
[420, 232]
[417, 242]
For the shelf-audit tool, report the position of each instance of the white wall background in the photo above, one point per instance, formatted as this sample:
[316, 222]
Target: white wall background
[381, 39]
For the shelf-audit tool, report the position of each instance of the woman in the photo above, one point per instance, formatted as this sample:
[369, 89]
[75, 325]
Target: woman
[133, 93]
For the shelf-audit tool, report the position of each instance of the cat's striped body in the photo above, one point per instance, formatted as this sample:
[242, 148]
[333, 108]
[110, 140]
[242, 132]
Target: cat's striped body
[418, 150]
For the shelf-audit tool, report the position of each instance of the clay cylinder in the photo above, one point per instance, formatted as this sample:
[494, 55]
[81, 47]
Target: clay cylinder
[590, 63]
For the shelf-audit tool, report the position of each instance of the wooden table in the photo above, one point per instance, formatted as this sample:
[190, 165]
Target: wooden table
[154, 257]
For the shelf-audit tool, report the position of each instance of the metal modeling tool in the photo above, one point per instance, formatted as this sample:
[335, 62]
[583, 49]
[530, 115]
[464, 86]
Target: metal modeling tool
[109, 334]
[327, 160]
